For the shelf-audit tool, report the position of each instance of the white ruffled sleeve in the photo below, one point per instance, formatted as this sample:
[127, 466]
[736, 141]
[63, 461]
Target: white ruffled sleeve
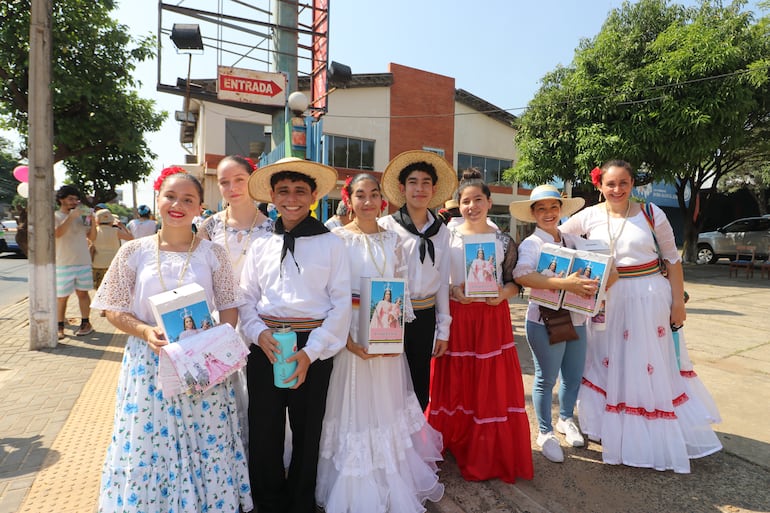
[227, 294]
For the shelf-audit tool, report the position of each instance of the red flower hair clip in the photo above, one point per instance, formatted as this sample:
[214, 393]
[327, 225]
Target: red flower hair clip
[345, 192]
[251, 163]
[165, 174]
[596, 177]
[383, 205]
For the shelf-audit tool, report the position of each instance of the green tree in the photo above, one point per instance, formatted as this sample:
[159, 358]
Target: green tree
[99, 120]
[678, 91]
[8, 183]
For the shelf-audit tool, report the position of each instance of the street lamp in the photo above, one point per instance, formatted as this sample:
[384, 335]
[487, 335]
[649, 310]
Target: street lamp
[187, 39]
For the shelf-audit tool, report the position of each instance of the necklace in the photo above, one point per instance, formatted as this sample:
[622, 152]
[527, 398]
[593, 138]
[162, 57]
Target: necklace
[184, 267]
[615, 236]
[369, 249]
[246, 242]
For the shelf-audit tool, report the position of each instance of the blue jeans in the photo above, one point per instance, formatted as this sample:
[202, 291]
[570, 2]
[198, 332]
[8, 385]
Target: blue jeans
[550, 359]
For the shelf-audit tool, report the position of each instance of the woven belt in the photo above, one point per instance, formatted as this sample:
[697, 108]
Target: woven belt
[635, 271]
[297, 324]
[424, 304]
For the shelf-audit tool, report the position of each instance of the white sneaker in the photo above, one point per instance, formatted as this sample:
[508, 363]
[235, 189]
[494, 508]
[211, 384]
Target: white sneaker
[550, 446]
[569, 429]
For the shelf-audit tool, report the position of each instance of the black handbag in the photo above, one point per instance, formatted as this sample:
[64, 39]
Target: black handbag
[558, 324]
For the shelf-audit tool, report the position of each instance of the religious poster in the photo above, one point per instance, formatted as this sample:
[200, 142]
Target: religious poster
[480, 265]
[381, 315]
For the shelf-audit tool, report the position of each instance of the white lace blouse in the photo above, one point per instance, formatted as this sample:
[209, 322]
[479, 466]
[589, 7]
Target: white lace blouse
[133, 277]
[237, 239]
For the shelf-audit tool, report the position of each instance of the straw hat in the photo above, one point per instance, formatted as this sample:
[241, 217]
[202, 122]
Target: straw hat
[451, 203]
[522, 210]
[445, 185]
[104, 216]
[259, 182]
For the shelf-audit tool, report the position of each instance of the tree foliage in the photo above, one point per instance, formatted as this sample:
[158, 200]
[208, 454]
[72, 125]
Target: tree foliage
[8, 183]
[99, 120]
[677, 90]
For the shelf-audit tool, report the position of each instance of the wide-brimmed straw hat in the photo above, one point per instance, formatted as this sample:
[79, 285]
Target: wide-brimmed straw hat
[104, 216]
[522, 210]
[445, 185]
[259, 182]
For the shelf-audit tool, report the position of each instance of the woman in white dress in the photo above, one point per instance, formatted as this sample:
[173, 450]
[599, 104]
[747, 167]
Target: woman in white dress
[646, 411]
[377, 451]
[170, 453]
[235, 228]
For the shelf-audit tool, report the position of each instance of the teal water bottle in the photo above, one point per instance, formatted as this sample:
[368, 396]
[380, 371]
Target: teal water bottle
[287, 343]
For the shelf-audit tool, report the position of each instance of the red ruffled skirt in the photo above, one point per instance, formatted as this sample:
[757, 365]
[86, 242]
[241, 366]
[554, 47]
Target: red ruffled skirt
[477, 396]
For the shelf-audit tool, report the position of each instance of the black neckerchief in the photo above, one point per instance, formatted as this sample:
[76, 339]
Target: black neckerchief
[306, 228]
[402, 218]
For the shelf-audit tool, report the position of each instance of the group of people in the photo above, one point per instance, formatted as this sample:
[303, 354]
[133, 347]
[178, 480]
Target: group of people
[86, 242]
[357, 437]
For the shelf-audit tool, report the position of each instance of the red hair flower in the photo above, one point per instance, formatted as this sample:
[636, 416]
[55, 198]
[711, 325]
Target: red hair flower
[251, 163]
[345, 192]
[383, 205]
[165, 174]
[596, 176]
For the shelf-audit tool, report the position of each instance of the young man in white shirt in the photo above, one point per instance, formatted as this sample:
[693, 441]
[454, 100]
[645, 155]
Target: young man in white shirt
[417, 181]
[298, 278]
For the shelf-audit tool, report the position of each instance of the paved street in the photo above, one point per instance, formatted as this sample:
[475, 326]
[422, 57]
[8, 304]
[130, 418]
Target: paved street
[56, 415]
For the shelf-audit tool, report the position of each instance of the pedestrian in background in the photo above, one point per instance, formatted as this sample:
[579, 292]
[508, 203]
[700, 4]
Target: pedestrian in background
[143, 226]
[109, 233]
[340, 218]
[74, 227]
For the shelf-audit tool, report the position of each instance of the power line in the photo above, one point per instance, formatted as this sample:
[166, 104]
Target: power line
[588, 98]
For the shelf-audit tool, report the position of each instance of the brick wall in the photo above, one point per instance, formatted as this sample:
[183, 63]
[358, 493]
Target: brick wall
[415, 92]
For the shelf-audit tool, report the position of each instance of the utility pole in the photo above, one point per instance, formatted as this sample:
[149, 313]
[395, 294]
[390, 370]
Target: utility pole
[42, 256]
[285, 44]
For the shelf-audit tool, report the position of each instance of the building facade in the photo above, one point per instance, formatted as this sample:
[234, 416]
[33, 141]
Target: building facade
[370, 121]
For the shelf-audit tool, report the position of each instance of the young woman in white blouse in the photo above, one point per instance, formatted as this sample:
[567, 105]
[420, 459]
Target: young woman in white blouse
[235, 228]
[378, 453]
[181, 452]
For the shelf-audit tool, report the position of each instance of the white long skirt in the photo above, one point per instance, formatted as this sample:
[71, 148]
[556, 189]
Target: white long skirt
[645, 409]
[378, 453]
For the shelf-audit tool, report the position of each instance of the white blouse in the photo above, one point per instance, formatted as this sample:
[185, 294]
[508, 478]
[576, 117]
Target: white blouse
[236, 238]
[314, 283]
[425, 278]
[133, 277]
[635, 245]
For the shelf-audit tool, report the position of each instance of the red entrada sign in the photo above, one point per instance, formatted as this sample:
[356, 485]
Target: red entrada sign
[244, 85]
[248, 85]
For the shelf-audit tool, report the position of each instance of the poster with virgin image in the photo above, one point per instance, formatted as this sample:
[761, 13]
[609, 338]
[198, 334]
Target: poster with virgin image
[480, 265]
[588, 264]
[182, 312]
[553, 261]
[381, 315]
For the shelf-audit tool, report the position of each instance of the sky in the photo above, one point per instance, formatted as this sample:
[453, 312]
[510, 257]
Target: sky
[497, 50]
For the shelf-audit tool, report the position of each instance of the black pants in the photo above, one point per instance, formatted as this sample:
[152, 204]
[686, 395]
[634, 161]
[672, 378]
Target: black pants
[418, 348]
[272, 490]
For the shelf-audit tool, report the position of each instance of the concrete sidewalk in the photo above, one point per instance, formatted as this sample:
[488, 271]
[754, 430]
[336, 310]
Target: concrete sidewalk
[57, 406]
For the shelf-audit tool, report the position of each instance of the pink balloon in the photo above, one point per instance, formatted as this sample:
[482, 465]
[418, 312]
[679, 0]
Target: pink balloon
[21, 173]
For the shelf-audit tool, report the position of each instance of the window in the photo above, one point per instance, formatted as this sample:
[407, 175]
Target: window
[350, 153]
[247, 139]
[492, 169]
